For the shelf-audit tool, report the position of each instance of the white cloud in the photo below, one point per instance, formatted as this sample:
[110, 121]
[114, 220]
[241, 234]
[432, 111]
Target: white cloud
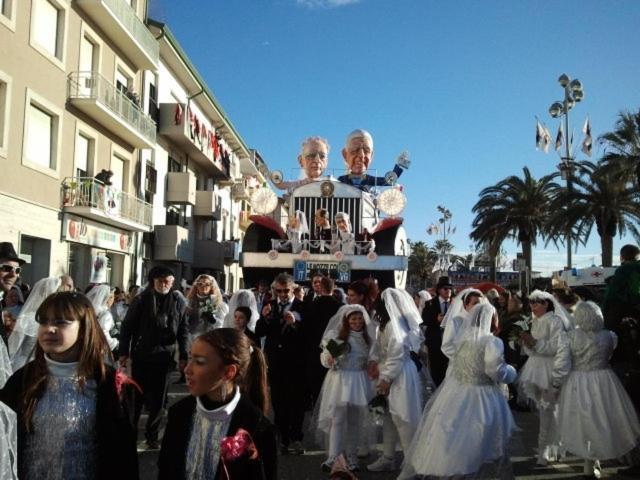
[326, 3]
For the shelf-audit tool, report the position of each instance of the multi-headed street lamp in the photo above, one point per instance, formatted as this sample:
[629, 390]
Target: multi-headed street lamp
[573, 93]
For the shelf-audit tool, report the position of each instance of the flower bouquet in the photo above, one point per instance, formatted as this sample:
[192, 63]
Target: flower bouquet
[516, 329]
[237, 446]
[206, 313]
[378, 406]
[337, 349]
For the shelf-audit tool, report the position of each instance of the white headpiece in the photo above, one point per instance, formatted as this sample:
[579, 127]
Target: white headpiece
[588, 317]
[457, 305]
[404, 317]
[98, 297]
[5, 365]
[335, 324]
[478, 323]
[558, 309]
[242, 298]
[303, 227]
[424, 298]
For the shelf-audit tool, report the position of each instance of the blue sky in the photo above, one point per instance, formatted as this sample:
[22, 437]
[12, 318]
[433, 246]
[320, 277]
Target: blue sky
[456, 83]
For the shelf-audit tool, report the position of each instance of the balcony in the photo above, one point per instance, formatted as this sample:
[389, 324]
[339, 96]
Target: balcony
[181, 188]
[244, 220]
[240, 191]
[94, 95]
[122, 26]
[176, 125]
[230, 251]
[171, 243]
[90, 198]
[208, 254]
[206, 204]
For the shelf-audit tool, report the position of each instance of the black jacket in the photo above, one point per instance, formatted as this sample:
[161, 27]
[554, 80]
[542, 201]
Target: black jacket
[438, 361]
[172, 465]
[283, 345]
[152, 327]
[117, 456]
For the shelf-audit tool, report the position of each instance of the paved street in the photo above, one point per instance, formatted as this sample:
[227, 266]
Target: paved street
[307, 467]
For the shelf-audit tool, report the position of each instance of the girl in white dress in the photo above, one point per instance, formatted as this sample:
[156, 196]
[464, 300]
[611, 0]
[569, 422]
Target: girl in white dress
[466, 426]
[242, 298]
[346, 390]
[596, 417]
[546, 345]
[396, 373]
[101, 297]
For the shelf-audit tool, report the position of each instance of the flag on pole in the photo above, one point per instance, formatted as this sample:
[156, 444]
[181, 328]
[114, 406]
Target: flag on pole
[539, 135]
[559, 137]
[587, 143]
[546, 140]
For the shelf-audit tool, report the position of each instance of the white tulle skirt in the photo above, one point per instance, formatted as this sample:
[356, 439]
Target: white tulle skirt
[406, 395]
[535, 376]
[342, 388]
[596, 417]
[8, 443]
[464, 427]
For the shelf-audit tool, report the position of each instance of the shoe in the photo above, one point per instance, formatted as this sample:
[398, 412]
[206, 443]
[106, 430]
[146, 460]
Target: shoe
[284, 449]
[383, 464]
[327, 465]
[542, 461]
[153, 445]
[352, 463]
[363, 452]
[597, 469]
[296, 448]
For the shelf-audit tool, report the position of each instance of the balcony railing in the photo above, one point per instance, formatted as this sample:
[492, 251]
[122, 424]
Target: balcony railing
[93, 86]
[110, 202]
[117, 17]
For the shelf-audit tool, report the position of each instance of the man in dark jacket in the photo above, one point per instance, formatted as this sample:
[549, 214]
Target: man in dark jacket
[317, 313]
[432, 316]
[155, 322]
[280, 322]
[10, 265]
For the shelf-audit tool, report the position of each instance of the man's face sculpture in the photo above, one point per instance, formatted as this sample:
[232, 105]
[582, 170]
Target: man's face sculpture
[313, 159]
[358, 154]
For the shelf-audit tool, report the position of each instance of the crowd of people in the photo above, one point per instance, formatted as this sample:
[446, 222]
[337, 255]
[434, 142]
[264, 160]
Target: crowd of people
[437, 376]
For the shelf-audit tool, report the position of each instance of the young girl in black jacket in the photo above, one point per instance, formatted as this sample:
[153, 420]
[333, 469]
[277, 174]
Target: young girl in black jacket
[220, 431]
[72, 423]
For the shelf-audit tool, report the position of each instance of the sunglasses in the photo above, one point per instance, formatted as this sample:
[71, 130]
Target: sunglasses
[200, 284]
[283, 290]
[6, 268]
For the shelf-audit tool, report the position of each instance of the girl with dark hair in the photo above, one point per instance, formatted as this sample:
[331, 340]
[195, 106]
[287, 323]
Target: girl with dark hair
[241, 321]
[218, 432]
[341, 411]
[72, 422]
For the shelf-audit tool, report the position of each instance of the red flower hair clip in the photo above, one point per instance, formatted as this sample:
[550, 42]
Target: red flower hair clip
[123, 379]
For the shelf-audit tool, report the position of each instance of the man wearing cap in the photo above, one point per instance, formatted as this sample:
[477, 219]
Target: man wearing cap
[155, 321]
[358, 155]
[432, 316]
[10, 265]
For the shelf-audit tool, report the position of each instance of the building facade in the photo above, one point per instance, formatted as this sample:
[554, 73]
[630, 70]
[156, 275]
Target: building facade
[98, 179]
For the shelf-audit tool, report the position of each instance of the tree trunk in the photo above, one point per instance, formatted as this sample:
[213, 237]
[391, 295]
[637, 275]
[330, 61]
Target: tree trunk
[606, 243]
[527, 253]
[493, 269]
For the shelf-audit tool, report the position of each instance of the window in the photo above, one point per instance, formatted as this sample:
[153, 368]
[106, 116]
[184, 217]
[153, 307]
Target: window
[118, 169]
[40, 140]
[39, 250]
[5, 97]
[83, 156]
[8, 13]
[48, 29]
[174, 165]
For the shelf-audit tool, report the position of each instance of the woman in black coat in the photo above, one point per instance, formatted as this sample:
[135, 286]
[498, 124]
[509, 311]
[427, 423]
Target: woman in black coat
[227, 381]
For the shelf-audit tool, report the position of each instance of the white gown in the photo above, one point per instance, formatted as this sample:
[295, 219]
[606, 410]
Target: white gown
[396, 367]
[545, 362]
[467, 423]
[8, 425]
[596, 417]
[347, 383]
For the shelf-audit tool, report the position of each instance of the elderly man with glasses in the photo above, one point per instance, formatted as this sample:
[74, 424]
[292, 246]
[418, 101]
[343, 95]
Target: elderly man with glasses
[280, 322]
[10, 267]
[313, 159]
[358, 155]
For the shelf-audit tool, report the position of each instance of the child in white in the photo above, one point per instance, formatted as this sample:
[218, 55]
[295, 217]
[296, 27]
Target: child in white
[596, 417]
[346, 390]
[466, 426]
[547, 346]
[101, 297]
[8, 425]
[398, 335]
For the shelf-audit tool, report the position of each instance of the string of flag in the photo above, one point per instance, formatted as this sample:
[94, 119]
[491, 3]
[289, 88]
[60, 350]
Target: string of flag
[544, 138]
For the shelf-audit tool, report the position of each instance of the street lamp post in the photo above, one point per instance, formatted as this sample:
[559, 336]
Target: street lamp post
[573, 93]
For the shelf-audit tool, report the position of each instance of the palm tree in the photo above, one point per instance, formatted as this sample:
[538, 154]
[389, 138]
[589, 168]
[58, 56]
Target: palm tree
[514, 208]
[421, 262]
[600, 197]
[623, 146]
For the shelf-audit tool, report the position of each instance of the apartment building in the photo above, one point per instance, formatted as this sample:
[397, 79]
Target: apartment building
[83, 88]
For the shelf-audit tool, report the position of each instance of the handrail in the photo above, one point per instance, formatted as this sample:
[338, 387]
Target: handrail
[94, 86]
[89, 192]
[127, 16]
